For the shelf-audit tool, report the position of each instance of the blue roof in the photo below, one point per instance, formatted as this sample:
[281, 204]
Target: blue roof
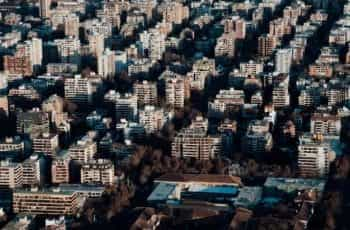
[161, 192]
[213, 189]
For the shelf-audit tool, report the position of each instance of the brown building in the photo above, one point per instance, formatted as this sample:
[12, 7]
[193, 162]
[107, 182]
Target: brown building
[46, 202]
[146, 93]
[18, 65]
[266, 45]
[321, 70]
[60, 168]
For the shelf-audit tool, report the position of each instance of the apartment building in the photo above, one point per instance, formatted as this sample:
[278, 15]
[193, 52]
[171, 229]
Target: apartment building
[83, 150]
[226, 101]
[146, 92]
[46, 143]
[46, 201]
[192, 142]
[266, 45]
[325, 124]
[175, 12]
[81, 90]
[12, 147]
[33, 171]
[60, 168]
[11, 174]
[257, 139]
[283, 60]
[251, 68]
[315, 153]
[32, 122]
[100, 171]
[152, 118]
[176, 91]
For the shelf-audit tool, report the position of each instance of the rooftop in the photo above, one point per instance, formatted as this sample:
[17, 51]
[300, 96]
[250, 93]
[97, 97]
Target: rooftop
[200, 178]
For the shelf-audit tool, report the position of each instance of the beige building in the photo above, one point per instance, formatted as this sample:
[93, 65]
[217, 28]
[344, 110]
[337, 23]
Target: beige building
[175, 12]
[195, 143]
[80, 89]
[44, 8]
[83, 150]
[46, 143]
[71, 25]
[152, 118]
[315, 153]
[32, 171]
[146, 93]
[99, 171]
[225, 45]
[225, 102]
[11, 174]
[177, 89]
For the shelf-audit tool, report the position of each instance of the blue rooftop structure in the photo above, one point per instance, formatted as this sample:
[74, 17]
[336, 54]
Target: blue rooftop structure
[161, 192]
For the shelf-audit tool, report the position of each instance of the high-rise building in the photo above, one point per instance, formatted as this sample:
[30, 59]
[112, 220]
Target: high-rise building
[280, 27]
[60, 168]
[125, 105]
[239, 28]
[18, 65]
[325, 124]
[266, 45]
[110, 63]
[45, 8]
[176, 91]
[32, 122]
[280, 94]
[100, 171]
[83, 150]
[225, 45]
[11, 174]
[33, 171]
[195, 143]
[315, 153]
[71, 26]
[146, 93]
[202, 70]
[46, 143]
[152, 118]
[322, 70]
[258, 139]
[4, 105]
[33, 49]
[69, 50]
[80, 89]
[310, 97]
[228, 130]
[152, 44]
[96, 44]
[106, 63]
[111, 13]
[283, 60]
[226, 101]
[130, 131]
[251, 68]
[175, 12]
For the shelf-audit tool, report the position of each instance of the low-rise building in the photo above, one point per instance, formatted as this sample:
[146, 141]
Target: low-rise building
[46, 201]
